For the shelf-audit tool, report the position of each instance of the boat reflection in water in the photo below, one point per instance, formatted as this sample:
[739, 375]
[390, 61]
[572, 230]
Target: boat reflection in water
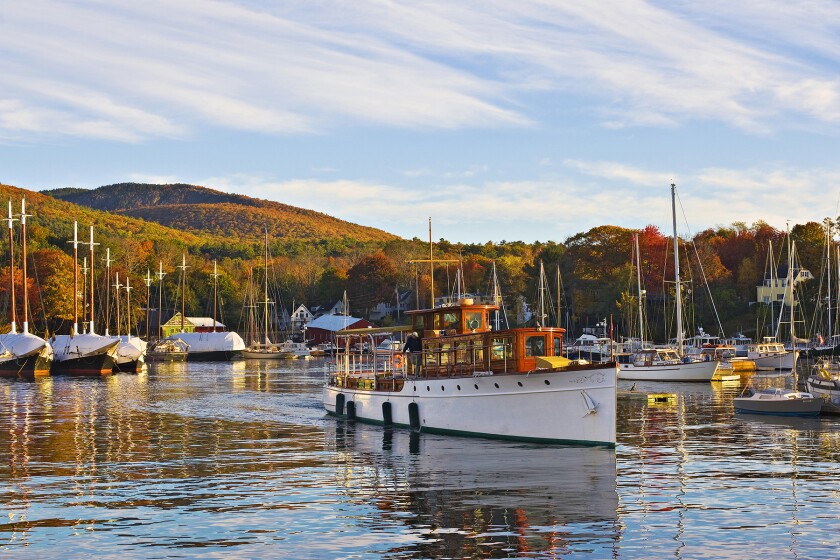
[465, 497]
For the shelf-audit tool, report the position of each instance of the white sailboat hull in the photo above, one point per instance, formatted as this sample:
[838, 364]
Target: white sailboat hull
[692, 371]
[561, 406]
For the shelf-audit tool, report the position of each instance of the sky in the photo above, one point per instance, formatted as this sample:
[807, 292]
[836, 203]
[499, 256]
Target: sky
[527, 121]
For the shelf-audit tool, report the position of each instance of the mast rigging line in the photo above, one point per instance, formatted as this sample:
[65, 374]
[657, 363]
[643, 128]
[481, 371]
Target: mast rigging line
[700, 264]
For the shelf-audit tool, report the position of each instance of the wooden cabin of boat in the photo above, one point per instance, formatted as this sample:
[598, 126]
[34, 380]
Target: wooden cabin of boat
[458, 341]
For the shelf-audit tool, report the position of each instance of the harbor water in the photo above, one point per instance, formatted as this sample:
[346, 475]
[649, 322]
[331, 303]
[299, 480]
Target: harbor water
[238, 460]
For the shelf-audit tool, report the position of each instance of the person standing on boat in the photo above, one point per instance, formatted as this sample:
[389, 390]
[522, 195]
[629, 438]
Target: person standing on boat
[414, 348]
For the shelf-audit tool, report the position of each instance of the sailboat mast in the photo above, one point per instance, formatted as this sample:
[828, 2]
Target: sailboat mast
[23, 217]
[639, 284]
[791, 248]
[828, 270]
[183, 268]
[265, 285]
[677, 269]
[215, 291]
[542, 294]
[431, 267]
[92, 244]
[127, 307]
[117, 286]
[75, 277]
[12, 270]
[148, 281]
[559, 295]
[108, 293]
[160, 276]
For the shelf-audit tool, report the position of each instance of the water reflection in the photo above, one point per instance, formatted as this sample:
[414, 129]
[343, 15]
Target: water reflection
[465, 497]
[239, 459]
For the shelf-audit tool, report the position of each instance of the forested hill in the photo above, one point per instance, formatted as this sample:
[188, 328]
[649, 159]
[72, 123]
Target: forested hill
[203, 210]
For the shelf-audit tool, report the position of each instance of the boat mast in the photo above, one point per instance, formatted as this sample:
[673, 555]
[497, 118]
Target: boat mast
[148, 281]
[11, 221]
[215, 290]
[127, 307]
[791, 249]
[183, 268]
[639, 284]
[92, 245]
[117, 286]
[677, 270]
[75, 277]
[108, 292]
[542, 294]
[160, 276]
[265, 267]
[828, 271]
[559, 296]
[23, 216]
[431, 266]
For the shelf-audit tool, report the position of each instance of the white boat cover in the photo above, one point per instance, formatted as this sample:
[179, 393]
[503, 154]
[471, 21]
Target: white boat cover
[19, 345]
[70, 347]
[211, 341]
[130, 348]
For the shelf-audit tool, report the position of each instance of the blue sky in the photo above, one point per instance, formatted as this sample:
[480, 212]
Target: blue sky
[527, 120]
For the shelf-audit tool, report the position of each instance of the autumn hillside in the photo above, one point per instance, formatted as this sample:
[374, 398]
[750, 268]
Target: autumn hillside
[206, 211]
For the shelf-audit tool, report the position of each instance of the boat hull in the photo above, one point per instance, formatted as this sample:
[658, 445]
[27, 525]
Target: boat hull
[571, 407]
[827, 388]
[128, 366]
[784, 361]
[96, 365]
[692, 371]
[213, 355]
[28, 367]
[789, 407]
[152, 356]
[261, 355]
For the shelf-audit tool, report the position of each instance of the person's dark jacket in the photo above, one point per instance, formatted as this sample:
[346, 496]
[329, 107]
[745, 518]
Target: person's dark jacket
[413, 344]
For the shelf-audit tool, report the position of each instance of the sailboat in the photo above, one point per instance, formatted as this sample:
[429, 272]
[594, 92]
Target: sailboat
[22, 354]
[260, 346]
[666, 364]
[83, 353]
[207, 346]
[770, 353]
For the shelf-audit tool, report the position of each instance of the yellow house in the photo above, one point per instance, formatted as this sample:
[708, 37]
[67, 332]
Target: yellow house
[191, 324]
[774, 290]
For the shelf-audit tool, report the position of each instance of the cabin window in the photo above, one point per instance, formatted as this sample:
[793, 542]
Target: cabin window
[502, 348]
[431, 354]
[472, 320]
[462, 355]
[478, 352]
[451, 320]
[558, 346]
[535, 346]
[445, 349]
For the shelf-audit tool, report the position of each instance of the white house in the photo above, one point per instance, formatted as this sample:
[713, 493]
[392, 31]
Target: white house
[300, 318]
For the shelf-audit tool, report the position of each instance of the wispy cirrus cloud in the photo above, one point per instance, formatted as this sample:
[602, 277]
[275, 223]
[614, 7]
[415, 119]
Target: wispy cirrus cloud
[130, 71]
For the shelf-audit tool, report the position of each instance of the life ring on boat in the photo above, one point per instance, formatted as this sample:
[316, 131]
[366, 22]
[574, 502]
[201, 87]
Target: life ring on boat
[397, 361]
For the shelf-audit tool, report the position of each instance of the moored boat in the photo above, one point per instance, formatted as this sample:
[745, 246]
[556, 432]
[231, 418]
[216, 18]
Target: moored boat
[167, 350]
[780, 402]
[770, 354]
[664, 364]
[472, 380]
